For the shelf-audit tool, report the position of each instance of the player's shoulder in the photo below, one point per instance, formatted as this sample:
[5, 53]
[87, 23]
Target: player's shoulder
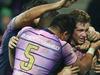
[24, 29]
[63, 43]
[11, 24]
[66, 45]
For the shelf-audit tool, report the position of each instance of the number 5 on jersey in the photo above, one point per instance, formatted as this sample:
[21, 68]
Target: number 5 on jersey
[28, 65]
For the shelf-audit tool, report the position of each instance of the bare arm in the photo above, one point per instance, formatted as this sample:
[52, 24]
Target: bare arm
[86, 62]
[28, 16]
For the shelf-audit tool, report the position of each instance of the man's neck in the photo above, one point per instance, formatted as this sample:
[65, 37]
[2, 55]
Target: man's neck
[54, 31]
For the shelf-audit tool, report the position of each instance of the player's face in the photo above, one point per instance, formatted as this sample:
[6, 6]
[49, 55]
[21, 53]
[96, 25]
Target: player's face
[80, 33]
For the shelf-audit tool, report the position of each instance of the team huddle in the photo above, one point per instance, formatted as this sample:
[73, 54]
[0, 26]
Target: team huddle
[65, 44]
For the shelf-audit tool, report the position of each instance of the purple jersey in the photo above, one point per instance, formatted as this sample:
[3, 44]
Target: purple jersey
[79, 53]
[38, 52]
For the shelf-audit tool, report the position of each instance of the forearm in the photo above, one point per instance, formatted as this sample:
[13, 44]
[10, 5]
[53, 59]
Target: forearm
[28, 16]
[85, 63]
[11, 57]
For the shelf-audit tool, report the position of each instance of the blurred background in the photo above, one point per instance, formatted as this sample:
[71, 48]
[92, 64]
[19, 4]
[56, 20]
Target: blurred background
[11, 8]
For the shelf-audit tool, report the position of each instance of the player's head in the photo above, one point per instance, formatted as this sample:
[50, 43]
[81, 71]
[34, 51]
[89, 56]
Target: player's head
[46, 18]
[82, 20]
[63, 25]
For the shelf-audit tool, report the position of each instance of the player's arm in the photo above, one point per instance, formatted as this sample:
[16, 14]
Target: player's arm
[27, 17]
[86, 62]
[12, 44]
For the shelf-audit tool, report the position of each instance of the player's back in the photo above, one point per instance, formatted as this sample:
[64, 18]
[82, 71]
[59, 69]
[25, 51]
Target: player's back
[37, 52]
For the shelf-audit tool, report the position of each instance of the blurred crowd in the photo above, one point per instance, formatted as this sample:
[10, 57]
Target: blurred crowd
[9, 9]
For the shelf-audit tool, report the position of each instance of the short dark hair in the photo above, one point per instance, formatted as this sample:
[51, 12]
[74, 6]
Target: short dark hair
[65, 23]
[46, 18]
[80, 16]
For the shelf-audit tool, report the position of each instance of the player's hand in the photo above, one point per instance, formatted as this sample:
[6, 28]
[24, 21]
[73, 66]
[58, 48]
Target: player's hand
[97, 68]
[65, 3]
[84, 46]
[13, 41]
[70, 71]
[93, 35]
[96, 63]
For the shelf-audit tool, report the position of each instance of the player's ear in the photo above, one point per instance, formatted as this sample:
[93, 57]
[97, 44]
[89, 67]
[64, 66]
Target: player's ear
[66, 35]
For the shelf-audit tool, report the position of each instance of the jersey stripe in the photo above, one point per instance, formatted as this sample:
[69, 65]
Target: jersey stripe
[38, 55]
[40, 45]
[34, 64]
[23, 71]
[40, 34]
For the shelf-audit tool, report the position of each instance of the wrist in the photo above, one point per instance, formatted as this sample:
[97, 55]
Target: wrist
[91, 51]
[60, 4]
